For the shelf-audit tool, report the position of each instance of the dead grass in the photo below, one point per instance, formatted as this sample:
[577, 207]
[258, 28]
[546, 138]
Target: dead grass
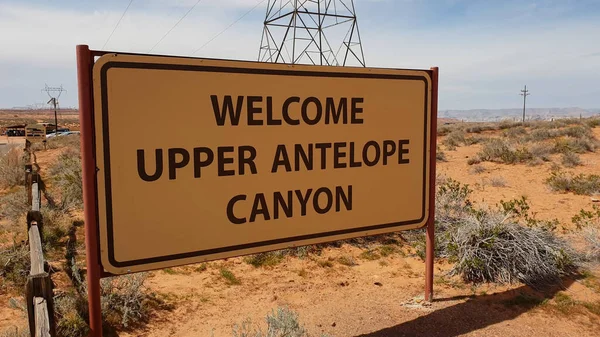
[370, 254]
[498, 181]
[347, 261]
[476, 169]
[12, 167]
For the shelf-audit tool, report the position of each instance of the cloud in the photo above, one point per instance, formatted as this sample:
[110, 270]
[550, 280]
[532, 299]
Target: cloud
[486, 52]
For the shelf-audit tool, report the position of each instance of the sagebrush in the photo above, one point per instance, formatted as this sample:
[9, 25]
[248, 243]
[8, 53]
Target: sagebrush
[581, 184]
[491, 245]
[280, 323]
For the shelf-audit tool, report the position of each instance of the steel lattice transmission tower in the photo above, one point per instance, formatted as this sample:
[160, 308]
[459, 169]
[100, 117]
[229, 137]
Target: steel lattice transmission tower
[319, 32]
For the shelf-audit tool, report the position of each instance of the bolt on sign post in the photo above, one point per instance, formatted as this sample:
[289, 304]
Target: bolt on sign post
[188, 160]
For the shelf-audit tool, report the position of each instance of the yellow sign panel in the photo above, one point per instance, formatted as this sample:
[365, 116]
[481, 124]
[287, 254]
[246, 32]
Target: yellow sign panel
[204, 159]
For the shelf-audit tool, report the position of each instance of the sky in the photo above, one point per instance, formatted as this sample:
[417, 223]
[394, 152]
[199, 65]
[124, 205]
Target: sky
[486, 50]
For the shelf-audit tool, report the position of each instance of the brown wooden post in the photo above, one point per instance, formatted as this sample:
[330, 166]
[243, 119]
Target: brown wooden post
[28, 181]
[430, 239]
[39, 285]
[84, 80]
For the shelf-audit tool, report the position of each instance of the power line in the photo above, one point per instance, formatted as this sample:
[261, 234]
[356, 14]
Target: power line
[178, 22]
[231, 25]
[117, 25]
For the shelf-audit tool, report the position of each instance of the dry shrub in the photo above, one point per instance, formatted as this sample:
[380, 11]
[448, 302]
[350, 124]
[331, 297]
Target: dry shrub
[68, 179]
[14, 206]
[489, 247]
[72, 141]
[476, 169]
[474, 160]
[541, 151]
[577, 145]
[454, 139]
[16, 332]
[588, 222]
[591, 234]
[508, 124]
[12, 167]
[581, 184]
[500, 151]
[14, 265]
[283, 323]
[125, 300]
[267, 259]
[444, 130]
[70, 309]
[516, 132]
[570, 159]
[440, 155]
[498, 181]
[126, 303]
[480, 127]
[593, 122]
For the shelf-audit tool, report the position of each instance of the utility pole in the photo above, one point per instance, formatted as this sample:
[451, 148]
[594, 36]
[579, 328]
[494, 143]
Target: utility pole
[524, 93]
[54, 93]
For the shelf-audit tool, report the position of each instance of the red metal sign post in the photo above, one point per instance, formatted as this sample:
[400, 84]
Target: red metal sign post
[430, 240]
[84, 79]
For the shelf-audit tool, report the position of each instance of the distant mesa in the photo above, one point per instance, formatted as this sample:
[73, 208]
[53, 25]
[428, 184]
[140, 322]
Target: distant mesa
[491, 115]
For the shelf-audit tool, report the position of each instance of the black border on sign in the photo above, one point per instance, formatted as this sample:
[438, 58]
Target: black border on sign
[180, 67]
